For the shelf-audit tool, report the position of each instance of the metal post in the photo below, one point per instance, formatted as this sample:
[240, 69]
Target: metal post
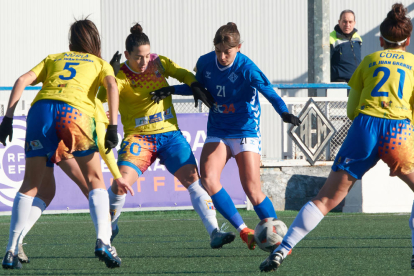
[318, 45]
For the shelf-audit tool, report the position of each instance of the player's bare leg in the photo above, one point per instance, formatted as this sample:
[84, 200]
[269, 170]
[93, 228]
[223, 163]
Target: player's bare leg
[71, 168]
[249, 171]
[212, 161]
[46, 193]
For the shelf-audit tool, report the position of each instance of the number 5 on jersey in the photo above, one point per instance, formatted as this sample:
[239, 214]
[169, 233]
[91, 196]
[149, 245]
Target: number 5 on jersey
[70, 69]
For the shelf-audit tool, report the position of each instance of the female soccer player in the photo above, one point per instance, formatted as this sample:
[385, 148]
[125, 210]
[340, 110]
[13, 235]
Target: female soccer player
[63, 111]
[67, 163]
[151, 130]
[233, 125]
[380, 105]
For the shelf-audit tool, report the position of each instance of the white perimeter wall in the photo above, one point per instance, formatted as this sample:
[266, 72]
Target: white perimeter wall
[274, 33]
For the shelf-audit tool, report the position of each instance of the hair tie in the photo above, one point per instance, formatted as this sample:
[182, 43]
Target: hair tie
[394, 42]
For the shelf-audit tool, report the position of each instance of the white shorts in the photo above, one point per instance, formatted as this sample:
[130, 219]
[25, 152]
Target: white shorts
[238, 145]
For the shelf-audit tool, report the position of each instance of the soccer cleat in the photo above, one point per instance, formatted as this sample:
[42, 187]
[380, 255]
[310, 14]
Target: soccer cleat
[220, 238]
[412, 262]
[22, 256]
[247, 235]
[11, 261]
[272, 262]
[114, 233]
[107, 254]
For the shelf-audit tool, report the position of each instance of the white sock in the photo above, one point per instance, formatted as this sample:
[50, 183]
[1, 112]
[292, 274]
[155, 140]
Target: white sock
[241, 227]
[99, 209]
[411, 223]
[38, 206]
[203, 205]
[20, 212]
[116, 203]
[306, 220]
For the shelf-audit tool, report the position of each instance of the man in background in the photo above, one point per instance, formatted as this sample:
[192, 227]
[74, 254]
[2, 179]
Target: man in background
[345, 48]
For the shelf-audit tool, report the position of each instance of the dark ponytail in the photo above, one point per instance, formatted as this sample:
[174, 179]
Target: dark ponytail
[227, 35]
[397, 26]
[136, 38]
[84, 37]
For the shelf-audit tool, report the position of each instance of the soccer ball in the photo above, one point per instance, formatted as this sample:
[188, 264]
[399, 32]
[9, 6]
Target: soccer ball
[269, 233]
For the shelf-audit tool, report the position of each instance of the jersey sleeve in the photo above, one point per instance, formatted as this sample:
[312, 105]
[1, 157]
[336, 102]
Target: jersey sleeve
[199, 74]
[259, 81]
[177, 72]
[108, 158]
[183, 89]
[107, 70]
[40, 71]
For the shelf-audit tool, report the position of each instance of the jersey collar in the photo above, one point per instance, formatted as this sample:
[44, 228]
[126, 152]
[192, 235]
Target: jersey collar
[126, 64]
[224, 68]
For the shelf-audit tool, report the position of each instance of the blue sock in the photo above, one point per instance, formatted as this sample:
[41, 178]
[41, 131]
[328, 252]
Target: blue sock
[265, 209]
[225, 206]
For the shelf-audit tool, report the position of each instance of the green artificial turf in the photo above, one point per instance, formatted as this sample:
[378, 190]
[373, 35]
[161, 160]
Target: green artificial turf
[176, 243]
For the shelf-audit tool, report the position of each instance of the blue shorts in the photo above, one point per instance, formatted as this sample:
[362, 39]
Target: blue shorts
[370, 139]
[140, 151]
[50, 122]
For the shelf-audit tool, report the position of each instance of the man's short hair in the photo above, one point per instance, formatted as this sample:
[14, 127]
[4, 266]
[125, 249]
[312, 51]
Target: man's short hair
[346, 11]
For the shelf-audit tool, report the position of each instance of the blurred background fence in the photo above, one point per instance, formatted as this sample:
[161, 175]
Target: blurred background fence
[277, 145]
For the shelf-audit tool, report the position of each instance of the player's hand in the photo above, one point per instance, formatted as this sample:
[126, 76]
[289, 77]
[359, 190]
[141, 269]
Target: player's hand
[6, 129]
[124, 186]
[291, 119]
[162, 93]
[202, 94]
[111, 138]
[116, 62]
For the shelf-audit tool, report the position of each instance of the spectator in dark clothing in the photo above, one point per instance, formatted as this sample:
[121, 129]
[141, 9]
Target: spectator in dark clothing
[345, 48]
